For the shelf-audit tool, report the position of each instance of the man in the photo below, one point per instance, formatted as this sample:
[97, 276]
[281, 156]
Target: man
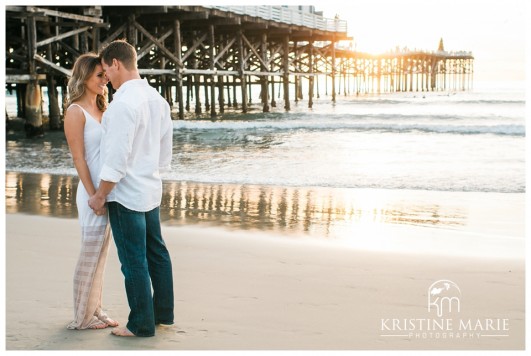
[136, 145]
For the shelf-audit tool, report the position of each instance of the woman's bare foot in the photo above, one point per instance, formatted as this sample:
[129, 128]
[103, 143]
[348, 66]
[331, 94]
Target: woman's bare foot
[99, 325]
[122, 332]
[109, 321]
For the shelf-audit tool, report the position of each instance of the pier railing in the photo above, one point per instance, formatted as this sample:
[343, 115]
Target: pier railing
[288, 16]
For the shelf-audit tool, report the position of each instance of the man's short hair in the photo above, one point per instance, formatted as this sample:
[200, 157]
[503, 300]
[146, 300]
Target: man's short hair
[120, 50]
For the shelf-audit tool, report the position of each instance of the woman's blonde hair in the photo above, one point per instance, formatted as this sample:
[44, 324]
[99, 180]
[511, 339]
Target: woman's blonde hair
[83, 69]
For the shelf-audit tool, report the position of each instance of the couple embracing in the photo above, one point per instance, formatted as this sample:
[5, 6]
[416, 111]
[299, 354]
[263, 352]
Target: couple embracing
[118, 150]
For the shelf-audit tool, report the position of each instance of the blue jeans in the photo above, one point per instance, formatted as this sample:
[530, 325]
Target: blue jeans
[145, 263]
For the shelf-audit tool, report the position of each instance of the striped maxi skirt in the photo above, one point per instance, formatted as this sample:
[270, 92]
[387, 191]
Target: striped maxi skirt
[88, 277]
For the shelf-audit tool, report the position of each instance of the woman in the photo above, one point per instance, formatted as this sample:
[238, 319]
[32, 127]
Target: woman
[85, 106]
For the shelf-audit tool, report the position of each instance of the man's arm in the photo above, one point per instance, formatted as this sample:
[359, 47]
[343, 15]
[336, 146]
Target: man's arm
[166, 141]
[116, 147]
[117, 142]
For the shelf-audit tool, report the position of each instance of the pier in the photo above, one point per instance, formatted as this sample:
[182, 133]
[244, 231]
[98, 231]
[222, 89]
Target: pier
[206, 59]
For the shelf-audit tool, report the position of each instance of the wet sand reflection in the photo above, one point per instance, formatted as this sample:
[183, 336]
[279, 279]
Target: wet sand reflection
[321, 212]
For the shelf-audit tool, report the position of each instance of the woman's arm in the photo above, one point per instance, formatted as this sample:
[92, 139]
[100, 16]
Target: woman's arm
[74, 125]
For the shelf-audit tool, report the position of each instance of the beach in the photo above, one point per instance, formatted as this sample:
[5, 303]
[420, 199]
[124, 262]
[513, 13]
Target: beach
[238, 290]
[357, 184]
[393, 222]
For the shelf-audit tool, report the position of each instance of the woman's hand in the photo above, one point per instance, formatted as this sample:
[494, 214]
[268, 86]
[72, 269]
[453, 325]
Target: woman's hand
[97, 204]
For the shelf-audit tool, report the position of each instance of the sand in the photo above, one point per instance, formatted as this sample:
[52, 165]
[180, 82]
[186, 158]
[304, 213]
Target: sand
[238, 290]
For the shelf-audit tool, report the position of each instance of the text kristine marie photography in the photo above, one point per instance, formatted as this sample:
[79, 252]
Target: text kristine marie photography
[443, 319]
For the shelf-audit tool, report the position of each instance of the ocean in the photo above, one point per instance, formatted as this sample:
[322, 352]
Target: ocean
[324, 161]
[460, 141]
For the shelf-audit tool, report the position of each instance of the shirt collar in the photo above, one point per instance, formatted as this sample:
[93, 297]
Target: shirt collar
[128, 84]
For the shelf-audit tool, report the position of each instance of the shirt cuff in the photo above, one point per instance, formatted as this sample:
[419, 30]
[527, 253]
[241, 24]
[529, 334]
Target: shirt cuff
[109, 174]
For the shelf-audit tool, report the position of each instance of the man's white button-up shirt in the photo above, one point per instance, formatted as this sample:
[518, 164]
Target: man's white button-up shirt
[136, 145]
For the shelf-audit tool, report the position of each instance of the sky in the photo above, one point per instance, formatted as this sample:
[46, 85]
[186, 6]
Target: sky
[493, 30]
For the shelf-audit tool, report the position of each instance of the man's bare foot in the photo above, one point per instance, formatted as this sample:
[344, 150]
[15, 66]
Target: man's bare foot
[99, 325]
[122, 332]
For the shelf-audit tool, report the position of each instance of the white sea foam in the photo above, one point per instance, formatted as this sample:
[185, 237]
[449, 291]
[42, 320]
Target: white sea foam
[357, 125]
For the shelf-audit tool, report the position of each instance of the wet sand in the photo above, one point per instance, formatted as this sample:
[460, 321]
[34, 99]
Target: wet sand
[450, 223]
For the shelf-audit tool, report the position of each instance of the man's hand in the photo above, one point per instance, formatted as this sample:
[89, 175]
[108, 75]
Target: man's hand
[97, 201]
[102, 211]
[97, 204]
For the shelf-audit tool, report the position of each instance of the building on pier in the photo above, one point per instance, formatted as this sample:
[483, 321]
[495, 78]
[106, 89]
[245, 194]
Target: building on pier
[212, 57]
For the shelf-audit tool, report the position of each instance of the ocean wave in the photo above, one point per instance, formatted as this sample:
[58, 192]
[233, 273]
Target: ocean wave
[59, 170]
[505, 130]
[449, 186]
[489, 102]
[201, 177]
[441, 99]
[324, 118]
[313, 125]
